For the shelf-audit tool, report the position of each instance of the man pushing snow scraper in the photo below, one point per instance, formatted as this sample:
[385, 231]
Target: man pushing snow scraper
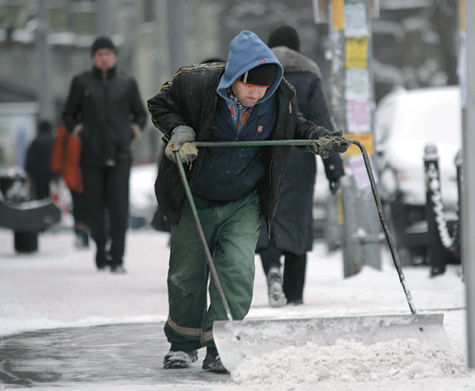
[216, 200]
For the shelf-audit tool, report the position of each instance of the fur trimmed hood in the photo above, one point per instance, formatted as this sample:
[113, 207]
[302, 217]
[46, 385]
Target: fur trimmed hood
[293, 61]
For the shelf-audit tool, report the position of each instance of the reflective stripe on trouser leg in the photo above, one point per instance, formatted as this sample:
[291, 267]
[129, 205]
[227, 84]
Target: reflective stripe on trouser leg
[233, 253]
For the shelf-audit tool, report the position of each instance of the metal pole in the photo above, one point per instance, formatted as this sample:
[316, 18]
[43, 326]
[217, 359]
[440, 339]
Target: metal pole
[177, 49]
[45, 95]
[361, 236]
[468, 198]
[104, 18]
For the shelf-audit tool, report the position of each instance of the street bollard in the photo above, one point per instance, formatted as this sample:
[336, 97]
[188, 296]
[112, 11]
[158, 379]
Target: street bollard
[441, 243]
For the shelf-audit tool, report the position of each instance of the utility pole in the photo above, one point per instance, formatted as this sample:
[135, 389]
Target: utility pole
[177, 44]
[45, 95]
[467, 85]
[352, 103]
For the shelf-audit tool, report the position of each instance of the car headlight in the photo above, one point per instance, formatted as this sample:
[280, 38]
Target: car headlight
[388, 184]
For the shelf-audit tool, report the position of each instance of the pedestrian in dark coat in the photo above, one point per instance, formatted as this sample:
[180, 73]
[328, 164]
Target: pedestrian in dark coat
[105, 111]
[244, 99]
[37, 161]
[291, 232]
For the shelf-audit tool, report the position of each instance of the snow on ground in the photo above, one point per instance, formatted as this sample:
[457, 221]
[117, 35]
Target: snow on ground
[59, 287]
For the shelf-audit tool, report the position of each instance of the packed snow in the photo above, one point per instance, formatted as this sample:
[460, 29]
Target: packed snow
[59, 287]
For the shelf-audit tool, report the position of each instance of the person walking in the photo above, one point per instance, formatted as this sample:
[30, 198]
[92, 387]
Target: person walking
[105, 111]
[37, 161]
[291, 231]
[64, 161]
[244, 99]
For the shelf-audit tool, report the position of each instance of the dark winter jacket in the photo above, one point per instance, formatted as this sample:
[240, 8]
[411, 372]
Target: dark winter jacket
[37, 164]
[107, 106]
[291, 228]
[228, 174]
[191, 99]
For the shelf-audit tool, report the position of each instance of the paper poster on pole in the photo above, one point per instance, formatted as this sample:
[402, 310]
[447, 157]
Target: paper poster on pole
[355, 20]
[462, 15]
[338, 14]
[357, 84]
[358, 169]
[358, 117]
[356, 52]
[365, 138]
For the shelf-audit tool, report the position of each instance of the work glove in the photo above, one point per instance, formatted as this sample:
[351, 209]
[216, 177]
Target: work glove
[181, 140]
[327, 144]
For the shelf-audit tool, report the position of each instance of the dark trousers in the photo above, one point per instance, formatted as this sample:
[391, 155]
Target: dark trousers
[294, 270]
[106, 190]
[79, 209]
[231, 231]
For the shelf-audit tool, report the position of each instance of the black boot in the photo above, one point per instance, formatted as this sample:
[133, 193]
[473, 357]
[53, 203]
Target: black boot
[101, 258]
[212, 362]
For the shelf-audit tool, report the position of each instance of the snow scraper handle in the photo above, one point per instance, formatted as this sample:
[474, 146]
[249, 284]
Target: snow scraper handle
[382, 218]
[209, 258]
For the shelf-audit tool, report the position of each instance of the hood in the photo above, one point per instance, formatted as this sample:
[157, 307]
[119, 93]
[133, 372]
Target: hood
[247, 51]
[293, 61]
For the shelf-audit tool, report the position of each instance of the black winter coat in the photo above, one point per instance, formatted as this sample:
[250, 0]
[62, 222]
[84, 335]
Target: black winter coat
[191, 99]
[106, 107]
[37, 164]
[292, 228]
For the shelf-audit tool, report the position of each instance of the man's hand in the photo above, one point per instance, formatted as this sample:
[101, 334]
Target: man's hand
[329, 144]
[334, 186]
[77, 130]
[137, 132]
[181, 140]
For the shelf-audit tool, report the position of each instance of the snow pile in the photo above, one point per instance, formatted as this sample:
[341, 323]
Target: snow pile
[350, 361]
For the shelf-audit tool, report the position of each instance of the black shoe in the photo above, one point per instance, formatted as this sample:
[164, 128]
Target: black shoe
[212, 362]
[437, 271]
[118, 269]
[101, 259]
[295, 302]
[179, 359]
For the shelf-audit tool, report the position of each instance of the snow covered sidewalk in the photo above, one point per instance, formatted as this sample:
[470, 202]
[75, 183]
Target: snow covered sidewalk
[58, 287]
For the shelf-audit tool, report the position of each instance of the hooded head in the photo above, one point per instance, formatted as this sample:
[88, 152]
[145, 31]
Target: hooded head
[252, 62]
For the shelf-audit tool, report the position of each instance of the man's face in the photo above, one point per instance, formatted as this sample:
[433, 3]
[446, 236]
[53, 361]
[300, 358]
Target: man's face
[104, 59]
[248, 94]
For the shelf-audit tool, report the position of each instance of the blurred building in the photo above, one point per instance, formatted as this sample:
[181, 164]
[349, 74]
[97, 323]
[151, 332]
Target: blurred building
[414, 46]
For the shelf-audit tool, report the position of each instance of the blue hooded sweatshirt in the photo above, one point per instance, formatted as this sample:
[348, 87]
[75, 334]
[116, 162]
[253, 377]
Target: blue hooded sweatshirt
[229, 174]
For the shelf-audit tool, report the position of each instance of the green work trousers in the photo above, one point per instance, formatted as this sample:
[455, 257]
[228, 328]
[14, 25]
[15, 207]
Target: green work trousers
[231, 230]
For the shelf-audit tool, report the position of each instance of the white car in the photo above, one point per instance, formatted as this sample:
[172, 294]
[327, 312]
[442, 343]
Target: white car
[406, 121]
[142, 194]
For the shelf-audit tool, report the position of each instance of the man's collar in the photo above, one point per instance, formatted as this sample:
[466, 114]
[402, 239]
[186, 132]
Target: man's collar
[109, 74]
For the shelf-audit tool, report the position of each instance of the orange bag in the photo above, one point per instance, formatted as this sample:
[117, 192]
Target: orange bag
[65, 159]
